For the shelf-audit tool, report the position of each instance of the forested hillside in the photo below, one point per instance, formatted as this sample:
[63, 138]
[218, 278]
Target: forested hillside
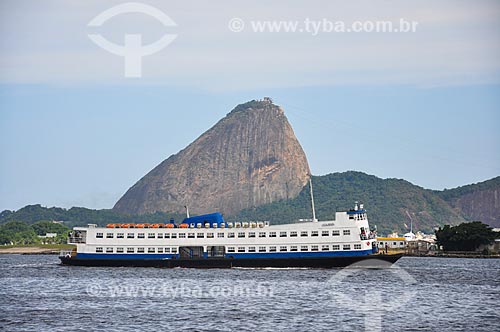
[391, 203]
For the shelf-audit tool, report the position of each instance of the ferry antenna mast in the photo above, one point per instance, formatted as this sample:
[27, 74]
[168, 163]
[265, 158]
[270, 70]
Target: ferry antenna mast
[312, 199]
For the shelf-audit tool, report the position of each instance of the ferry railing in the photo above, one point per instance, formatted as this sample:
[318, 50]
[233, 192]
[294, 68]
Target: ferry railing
[72, 240]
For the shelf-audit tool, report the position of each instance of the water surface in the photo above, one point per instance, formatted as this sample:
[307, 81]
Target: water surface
[419, 294]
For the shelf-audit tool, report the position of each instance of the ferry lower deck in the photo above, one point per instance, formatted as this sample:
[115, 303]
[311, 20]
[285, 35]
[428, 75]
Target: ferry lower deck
[283, 262]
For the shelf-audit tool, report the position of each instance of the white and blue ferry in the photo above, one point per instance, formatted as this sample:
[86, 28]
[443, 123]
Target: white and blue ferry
[207, 241]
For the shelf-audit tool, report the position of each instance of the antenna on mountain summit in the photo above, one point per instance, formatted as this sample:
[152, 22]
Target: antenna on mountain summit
[312, 199]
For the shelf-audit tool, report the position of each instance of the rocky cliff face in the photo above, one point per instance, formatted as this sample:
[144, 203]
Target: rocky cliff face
[482, 205]
[480, 202]
[249, 158]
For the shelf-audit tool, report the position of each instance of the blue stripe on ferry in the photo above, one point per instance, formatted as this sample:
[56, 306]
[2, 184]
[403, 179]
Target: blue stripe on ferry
[234, 255]
[299, 254]
[124, 256]
[356, 212]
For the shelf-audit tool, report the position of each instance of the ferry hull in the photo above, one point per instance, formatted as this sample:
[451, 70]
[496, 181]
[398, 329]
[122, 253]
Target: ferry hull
[222, 263]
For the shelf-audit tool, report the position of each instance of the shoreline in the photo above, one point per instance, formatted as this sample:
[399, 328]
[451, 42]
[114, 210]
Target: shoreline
[35, 250]
[451, 255]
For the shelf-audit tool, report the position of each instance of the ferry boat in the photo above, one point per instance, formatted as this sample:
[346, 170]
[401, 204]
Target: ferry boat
[208, 241]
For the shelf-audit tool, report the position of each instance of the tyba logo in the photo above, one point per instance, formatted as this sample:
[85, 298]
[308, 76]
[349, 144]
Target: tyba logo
[132, 50]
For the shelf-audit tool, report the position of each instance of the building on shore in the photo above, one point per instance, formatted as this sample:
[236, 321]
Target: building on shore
[391, 242]
[422, 246]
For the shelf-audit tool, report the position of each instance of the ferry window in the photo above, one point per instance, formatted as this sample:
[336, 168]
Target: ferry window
[109, 235]
[336, 233]
[304, 248]
[346, 247]
[314, 248]
[262, 249]
[325, 247]
[381, 243]
[241, 234]
[346, 232]
[151, 250]
[174, 235]
[357, 246]
[272, 234]
[293, 234]
[167, 235]
[174, 250]
[130, 250]
[230, 234]
[304, 233]
[283, 248]
[130, 235]
[251, 249]
[394, 243]
[262, 234]
[325, 233]
[140, 250]
[120, 235]
[314, 233]
[272, 249]
[200, 235]
[99, 235]
[159, 250]
[190, 235]
[335, 247]
[98, 249]
[181, 235]
[251, 234]
[241, 249]
[230, 249]
[351, 217]
[401, 243]
[167, 250]
[119, 250]
[210, 235]
[140, 235]
[160, 235]
[220, 234]
[282, 234]
[293, 248]
[151, 235]
[109, 250]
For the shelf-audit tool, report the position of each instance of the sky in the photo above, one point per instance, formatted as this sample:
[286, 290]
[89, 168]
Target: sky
[74, 131]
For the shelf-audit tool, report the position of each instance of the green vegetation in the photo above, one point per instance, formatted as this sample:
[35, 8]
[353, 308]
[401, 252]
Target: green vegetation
[451, 194]
[23, 227]
[255, 104]
[465, 237]
[20, 233]
[17, 232]
[78, 216]
[390, 203]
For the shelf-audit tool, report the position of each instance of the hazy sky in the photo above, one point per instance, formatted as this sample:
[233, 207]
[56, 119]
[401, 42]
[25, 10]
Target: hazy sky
[423, 106]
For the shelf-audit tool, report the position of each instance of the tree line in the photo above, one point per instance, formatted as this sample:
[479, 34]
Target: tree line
[465, 237]
[20, 233]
